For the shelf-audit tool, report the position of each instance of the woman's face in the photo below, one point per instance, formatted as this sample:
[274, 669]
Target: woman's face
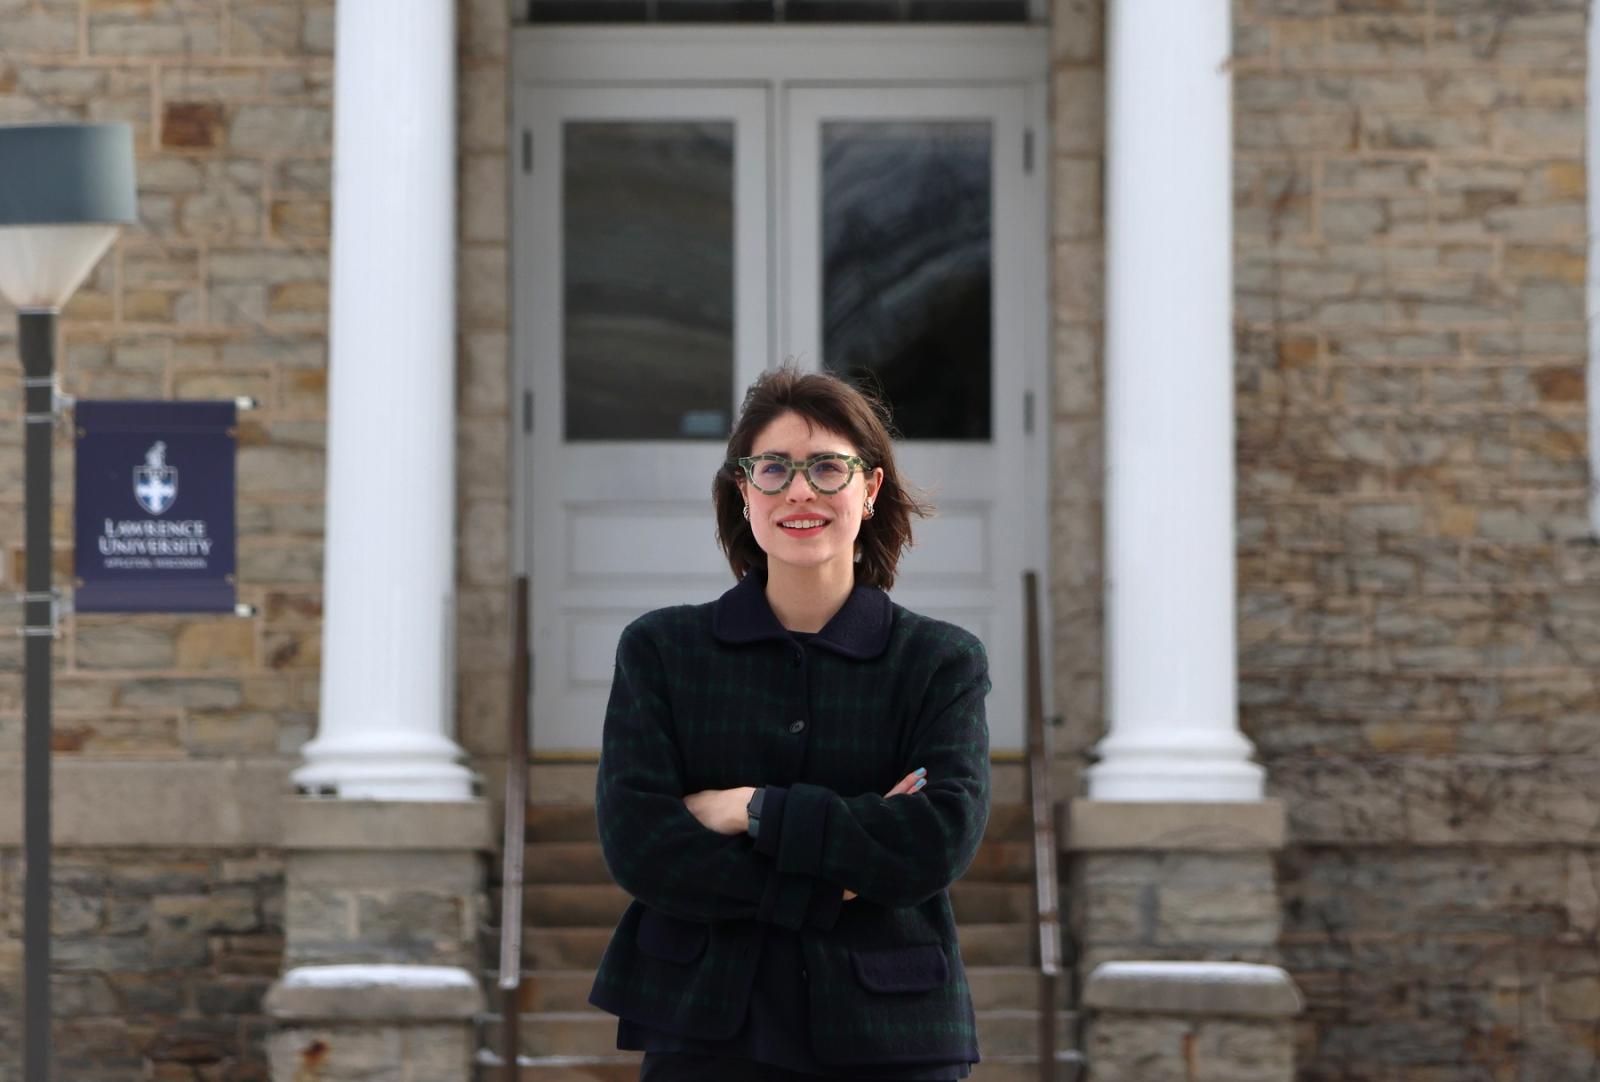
[800, 526]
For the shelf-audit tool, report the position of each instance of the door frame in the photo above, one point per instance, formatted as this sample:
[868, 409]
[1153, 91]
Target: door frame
[862, 56]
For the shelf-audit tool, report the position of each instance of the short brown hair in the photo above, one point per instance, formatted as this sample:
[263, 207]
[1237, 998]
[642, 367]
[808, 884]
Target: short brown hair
[835, 406]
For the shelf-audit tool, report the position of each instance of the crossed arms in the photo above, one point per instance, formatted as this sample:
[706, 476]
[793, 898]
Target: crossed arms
[890, 851]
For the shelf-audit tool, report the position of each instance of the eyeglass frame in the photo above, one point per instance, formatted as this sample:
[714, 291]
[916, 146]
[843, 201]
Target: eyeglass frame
[852, 462]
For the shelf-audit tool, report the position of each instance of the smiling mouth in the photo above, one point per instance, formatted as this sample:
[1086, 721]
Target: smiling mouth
[803, 523]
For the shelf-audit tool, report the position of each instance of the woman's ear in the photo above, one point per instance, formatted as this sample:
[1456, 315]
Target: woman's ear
[874, 482]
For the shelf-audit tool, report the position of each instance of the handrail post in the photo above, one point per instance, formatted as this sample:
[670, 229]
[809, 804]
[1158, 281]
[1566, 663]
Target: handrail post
[1037, 783]
[516, 813]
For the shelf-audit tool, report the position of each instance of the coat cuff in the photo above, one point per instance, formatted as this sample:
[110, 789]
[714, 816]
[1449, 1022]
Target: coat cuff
[770, 828]
[805, 824]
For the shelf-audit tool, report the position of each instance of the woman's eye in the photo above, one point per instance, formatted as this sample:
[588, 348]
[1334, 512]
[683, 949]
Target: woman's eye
[771, 469]
[828, 471]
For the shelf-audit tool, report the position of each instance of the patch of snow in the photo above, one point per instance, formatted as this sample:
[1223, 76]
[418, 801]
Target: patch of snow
[378, 976]
[1209, 972]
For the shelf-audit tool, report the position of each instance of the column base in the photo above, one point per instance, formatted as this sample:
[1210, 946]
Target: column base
[422, 768]
[1210, 771]
[1173, 881]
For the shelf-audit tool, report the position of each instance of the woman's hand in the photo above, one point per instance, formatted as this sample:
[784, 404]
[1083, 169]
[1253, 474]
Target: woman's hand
[911, 783]
[721, 810]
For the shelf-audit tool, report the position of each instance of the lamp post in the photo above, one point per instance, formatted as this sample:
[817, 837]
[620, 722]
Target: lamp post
[64, 190]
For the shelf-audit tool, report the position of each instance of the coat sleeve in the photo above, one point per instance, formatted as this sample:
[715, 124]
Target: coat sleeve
[902, 850]
[654, 847]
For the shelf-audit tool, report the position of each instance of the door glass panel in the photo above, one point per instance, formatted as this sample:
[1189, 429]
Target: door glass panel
[647, 268]
[906, 224]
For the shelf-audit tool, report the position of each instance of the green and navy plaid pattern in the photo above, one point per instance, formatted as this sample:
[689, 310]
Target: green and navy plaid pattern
[719, 696]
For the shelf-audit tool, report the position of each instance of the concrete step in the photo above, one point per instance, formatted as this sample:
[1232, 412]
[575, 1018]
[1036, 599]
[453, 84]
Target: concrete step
[994, 988]
[624, 1067]
[593, 1033]
[1008, 821]
[582, 862]
[583, 948]
[982, 944]
[600, 905]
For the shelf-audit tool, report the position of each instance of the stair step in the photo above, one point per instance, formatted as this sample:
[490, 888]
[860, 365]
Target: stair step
[624, 1067]
[1008, 821]
[581, 862]
[993, 988]
[593, 1033]
[600, 905]
[982, 944]
[617, 1067]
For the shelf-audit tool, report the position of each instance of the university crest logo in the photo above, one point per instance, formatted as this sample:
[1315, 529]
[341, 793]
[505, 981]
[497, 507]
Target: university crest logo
[155, 484]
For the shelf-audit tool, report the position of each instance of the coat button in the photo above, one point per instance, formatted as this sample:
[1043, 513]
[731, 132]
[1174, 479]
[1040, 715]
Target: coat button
[795, 727]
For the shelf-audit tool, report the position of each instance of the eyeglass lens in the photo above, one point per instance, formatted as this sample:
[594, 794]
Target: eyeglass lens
[826, 475]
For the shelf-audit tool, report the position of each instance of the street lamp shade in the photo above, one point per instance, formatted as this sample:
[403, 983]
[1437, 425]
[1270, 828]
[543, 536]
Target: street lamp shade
[64, 190]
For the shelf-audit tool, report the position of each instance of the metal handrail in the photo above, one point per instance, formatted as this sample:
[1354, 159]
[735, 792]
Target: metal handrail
[1037, 786]
[510, 980]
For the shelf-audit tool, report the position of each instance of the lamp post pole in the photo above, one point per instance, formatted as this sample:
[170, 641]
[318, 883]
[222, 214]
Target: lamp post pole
[36, 342]
[64, 190]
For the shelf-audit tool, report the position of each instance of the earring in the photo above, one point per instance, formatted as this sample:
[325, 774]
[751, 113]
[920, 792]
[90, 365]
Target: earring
[747, 512]
[868, 512]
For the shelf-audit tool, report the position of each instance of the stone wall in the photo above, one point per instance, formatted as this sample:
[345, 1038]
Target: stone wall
[163, 955]
[1419, 616]
[160, 960]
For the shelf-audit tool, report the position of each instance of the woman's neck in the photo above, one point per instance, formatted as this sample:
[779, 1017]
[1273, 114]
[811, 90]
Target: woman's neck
[805, 598]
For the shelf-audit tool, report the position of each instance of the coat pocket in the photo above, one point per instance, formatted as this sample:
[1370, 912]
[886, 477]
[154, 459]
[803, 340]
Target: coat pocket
[670, 939]
[901, 969]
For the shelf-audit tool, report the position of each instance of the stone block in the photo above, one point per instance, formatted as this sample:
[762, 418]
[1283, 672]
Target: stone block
[483, 287]
[485, 538]
[216, 644]
[175, 28]
[1076, 213]
[264, 30]
[1077, 31]
[281, 128]
[124, 645]
[485, 372]
[43, 29]
[1078, 111]
[481, 91]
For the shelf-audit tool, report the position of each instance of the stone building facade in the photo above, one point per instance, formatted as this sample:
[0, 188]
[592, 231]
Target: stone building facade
[1418, 617]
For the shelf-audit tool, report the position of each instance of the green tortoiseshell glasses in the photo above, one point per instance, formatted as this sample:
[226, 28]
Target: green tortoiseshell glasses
[826, 473]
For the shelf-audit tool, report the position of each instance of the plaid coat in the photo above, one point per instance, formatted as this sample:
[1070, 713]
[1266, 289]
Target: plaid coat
[718, 696]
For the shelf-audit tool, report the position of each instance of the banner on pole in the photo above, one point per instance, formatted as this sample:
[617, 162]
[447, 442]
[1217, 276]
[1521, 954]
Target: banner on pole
[154, 510]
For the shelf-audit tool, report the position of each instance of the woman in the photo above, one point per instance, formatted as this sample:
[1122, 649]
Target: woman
[791, 918]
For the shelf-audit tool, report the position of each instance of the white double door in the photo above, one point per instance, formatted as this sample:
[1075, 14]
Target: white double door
[672, 243]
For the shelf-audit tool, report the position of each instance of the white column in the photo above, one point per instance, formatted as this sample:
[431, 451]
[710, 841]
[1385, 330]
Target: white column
[389, 569]
[1171, 670]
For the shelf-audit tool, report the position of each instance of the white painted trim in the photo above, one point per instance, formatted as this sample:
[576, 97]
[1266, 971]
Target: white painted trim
[703, 55]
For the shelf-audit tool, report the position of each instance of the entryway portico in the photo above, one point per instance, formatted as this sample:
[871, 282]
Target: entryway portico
[692, 206]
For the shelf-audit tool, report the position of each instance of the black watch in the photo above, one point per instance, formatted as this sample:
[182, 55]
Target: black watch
[753, 810]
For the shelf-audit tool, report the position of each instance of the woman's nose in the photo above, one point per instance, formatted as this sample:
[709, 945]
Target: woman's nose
[800, 488]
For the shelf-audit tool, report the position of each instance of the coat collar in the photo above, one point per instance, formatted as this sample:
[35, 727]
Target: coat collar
[860, 629]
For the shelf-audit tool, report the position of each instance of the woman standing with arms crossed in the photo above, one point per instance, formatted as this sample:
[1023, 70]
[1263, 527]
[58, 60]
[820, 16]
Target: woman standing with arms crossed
[791, 919]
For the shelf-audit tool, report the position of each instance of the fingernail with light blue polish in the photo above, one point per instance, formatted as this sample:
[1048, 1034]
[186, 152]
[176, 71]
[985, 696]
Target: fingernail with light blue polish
[921, 770]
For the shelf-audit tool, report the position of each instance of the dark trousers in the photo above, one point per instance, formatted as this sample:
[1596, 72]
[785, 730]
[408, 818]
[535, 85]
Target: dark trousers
[683, 1067]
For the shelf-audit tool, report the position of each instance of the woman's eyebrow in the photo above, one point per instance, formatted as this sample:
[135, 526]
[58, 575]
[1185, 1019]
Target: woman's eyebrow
[797, 458]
